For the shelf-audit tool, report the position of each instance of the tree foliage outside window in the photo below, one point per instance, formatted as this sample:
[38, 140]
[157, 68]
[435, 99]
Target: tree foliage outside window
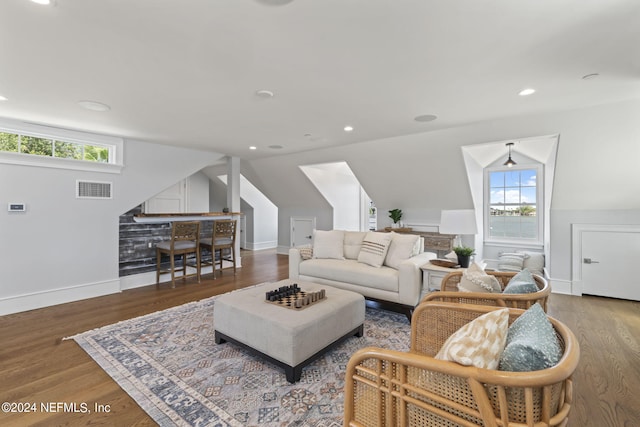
[25, 144]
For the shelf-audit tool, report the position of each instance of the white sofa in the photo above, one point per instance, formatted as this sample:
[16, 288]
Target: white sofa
[397, 281]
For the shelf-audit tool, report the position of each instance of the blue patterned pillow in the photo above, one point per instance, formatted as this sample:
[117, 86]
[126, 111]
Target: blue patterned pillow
[521, 283]
[532, 343]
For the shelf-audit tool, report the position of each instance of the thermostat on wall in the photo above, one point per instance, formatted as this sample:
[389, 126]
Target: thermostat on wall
[17, 207]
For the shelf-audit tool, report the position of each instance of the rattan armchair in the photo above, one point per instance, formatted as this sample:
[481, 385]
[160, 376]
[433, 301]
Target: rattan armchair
[449, 292]
[387, 388]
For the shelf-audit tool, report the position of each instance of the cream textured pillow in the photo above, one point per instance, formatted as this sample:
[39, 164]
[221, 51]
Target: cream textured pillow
[480, 342]
[474, 279]
[328, 244]
[374, 248]
[306, 252]
[534, 262]
[353, 243]
[401, 248]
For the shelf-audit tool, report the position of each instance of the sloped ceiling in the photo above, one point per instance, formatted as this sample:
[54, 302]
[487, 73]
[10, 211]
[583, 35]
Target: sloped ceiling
[186, 72]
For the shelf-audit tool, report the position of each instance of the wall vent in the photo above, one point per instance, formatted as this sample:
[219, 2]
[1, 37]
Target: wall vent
[93, 190]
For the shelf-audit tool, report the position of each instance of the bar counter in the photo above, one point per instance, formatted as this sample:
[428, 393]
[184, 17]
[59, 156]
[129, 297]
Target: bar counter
[154, 218]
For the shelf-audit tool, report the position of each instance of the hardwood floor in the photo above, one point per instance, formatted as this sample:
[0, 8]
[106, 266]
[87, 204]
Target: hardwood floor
[36, 366]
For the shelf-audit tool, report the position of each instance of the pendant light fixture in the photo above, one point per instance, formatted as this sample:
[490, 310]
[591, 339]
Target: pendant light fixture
[509, 163]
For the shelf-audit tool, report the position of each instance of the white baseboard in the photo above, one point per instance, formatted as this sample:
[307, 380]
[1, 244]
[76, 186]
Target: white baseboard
[257, 246]
[145, 279]
[564, 287]
[32, 301]
[283, 250]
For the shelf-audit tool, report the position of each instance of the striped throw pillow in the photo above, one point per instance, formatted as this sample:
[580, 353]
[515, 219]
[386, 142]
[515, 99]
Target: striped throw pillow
[374, 248]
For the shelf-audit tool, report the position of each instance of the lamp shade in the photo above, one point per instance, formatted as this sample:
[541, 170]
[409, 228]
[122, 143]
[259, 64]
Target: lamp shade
[460, 221]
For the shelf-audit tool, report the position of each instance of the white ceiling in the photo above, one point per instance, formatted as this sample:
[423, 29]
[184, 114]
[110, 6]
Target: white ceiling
[186, 72]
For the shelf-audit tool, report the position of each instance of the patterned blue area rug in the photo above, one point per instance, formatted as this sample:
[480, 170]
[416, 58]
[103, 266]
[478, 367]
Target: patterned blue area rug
[170, 365]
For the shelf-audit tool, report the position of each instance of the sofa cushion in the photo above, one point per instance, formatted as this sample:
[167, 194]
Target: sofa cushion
[521, 283]
[534, 262]
[474, 279]
[374, 248]
[328, 244]
[480, 342]
[402, 247]
[511, 261]
[532, 343]
[353, 243]
[351, 271]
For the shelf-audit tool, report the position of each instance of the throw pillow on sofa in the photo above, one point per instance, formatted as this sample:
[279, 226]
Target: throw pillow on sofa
[474, 279]
[353, 243]
[532, 343]
[306, 251]
[480, 342]
[328, 244]
[521, 283]
[511, 261]
[402, 247]
[374, 248]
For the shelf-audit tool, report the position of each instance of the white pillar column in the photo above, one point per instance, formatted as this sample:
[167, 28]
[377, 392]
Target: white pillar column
[233, 198]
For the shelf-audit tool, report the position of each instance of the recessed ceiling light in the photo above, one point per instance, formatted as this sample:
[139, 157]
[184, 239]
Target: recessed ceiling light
[590, 76]
[2, 98]
[264, 94]
[348, 128]
[94, 106]
[276, 147]
[253, 147]
[42, 1]
[525, 92]
[425, 118]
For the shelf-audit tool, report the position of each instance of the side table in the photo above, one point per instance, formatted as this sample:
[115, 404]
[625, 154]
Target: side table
[432, 276]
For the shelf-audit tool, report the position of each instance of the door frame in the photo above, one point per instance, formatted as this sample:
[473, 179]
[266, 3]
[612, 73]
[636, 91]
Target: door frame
[576, 247]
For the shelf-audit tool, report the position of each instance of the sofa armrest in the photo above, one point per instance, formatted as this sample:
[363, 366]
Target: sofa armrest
[294, 263]
[410, 278]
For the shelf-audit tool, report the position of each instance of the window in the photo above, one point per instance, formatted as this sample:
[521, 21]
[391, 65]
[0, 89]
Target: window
[37, 145]
[513, 198]
[26, 144]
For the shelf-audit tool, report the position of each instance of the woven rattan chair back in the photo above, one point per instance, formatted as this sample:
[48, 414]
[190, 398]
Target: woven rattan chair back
[385, 388]
[449, 292]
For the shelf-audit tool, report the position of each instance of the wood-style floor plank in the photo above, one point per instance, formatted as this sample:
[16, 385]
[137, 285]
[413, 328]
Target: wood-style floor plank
[37, 366]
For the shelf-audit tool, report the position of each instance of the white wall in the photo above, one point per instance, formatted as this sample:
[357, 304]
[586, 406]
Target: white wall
[596, 179]
[64, 249]
[337, 183]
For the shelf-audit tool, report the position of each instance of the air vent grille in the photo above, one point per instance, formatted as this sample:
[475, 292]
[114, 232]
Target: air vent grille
[93, 190]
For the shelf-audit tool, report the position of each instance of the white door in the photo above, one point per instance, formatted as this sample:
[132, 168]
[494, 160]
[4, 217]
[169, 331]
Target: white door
[171, 200]
[609, 264]
[302, 230]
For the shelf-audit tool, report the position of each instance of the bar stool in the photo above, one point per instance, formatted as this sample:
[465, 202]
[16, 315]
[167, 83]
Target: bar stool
[223, 237]
[185, 239]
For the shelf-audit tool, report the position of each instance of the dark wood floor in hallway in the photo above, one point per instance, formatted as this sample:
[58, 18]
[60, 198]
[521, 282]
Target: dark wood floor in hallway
[37, 366]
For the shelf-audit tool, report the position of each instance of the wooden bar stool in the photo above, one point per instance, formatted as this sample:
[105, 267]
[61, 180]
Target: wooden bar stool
[222, 238]
[185, 239]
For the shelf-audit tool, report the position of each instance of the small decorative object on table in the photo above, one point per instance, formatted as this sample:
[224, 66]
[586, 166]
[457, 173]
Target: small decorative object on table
[443, 263]
[464, 255]
[293, 297]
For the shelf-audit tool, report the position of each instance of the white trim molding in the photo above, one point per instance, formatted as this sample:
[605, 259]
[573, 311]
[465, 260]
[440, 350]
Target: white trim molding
[32, 301]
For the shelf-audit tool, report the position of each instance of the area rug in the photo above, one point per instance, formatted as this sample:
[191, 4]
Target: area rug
[170, 365]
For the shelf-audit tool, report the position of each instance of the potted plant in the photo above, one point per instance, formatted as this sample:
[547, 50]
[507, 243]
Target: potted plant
[396, 216]
[464, 255]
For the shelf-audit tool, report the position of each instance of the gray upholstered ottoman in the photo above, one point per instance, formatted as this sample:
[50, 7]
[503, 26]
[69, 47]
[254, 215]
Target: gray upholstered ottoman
[286, 337]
